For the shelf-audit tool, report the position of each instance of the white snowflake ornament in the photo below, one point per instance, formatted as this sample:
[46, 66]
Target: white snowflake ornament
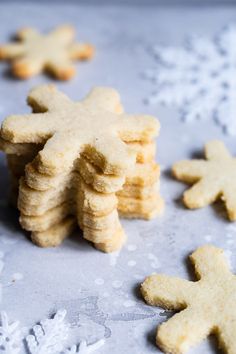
[198, 78]
[49, 335]
[10, 336]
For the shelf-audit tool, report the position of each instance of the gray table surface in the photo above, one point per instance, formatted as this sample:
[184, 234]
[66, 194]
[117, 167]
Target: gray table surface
[100, 291]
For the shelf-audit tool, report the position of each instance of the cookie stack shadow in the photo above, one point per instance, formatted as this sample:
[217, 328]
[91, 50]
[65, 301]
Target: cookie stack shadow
[51, 205]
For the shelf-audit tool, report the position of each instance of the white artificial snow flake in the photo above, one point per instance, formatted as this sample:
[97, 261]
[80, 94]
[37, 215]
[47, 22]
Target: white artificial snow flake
[198, 78]
[49, 335]
[83, 348]
[10, 335]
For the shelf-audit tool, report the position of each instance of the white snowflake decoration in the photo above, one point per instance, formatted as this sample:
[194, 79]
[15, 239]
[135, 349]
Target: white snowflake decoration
[49, 335]
[84, 348]
[199, 78]
[10, 335]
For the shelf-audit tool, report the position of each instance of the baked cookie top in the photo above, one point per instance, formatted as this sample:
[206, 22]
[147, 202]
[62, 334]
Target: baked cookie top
[90, 127]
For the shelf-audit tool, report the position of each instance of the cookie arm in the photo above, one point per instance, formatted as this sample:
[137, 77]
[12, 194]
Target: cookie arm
[27, 66]
[47, 97]
[27, 128]
[229, 197]
[64, 34]
[167, 292]
[11, 51]
[61, 69]
[209, 261]
[216, 150]
[56, 234]
[81, 51]
[138, 128]
[27, 33]
[203, 193]
[189, 171]
[59, 153]
[111, 155]
[104, 98]
[226, 334]
[183, 330]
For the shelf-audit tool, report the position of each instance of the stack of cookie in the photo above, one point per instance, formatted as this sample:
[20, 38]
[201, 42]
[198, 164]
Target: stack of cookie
[81, 163]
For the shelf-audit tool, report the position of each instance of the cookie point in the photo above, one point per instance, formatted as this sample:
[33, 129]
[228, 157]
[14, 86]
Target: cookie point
[21, 32]
[146, 288]
[112, 245]
[7, 129]
[213, 142]
[88, 52]
[163, 342]
[206, 250]
[232, 214]
[43, 87]
[22, 70]
[67, 27]
[65, 74]
[3, 53]
[190, 202]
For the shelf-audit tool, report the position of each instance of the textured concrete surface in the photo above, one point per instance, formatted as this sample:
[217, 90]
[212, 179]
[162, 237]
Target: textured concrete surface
[100, 292]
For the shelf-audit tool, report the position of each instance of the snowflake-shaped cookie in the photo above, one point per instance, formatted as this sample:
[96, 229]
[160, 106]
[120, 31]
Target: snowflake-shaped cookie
[53, 52]
[208, 306]
[68, 129]
[214, 178]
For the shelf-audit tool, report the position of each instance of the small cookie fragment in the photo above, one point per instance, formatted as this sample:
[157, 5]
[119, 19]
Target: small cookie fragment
[213, 178]
[53, 52]
[207, 306]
